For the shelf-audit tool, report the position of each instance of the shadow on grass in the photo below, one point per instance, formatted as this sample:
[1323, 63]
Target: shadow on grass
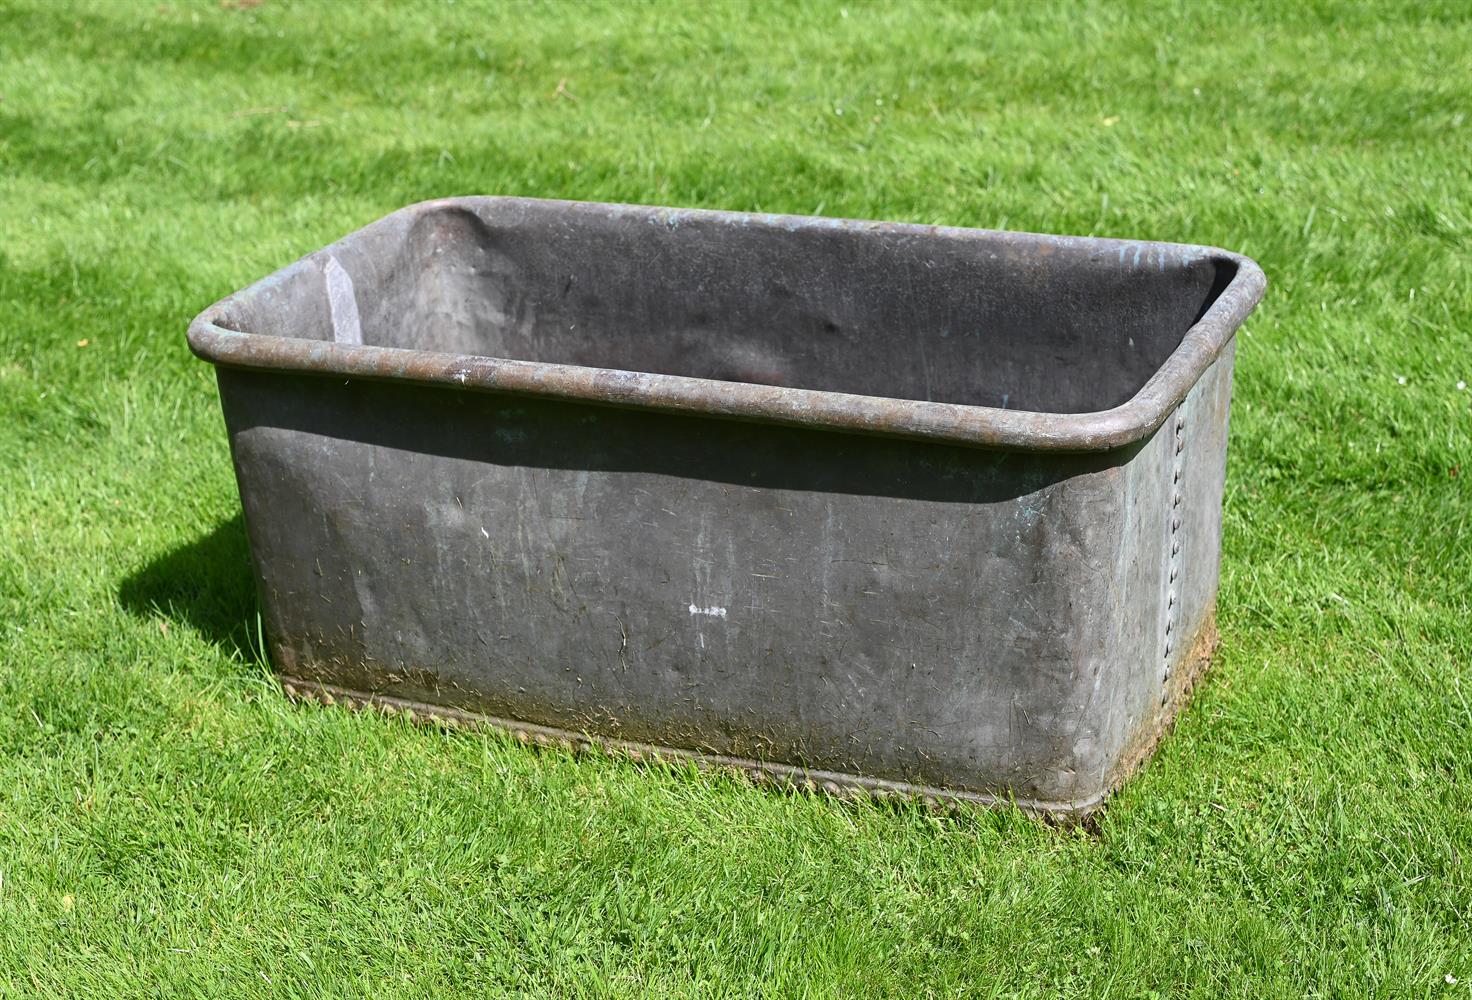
[205, 584]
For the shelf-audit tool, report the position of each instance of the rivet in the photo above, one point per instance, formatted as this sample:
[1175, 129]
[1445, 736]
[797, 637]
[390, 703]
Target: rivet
[1170, 599]
[1167, 647]
[831, 787]
[1180, 447]
[1175, 524]
[327, 699]
[635, 755]
[1168, 626]
[522, 736]
[1172, 574]
[290, 690]
[1175, 501]
[1175, 547]
[1177, 477]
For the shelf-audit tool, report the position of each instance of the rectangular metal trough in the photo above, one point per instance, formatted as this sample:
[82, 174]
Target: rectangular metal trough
[888, 507]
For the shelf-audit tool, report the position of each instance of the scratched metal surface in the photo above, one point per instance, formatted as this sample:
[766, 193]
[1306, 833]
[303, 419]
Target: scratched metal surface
[934, 506]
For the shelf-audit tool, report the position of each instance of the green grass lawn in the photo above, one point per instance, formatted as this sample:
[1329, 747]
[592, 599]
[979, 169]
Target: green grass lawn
[170, 826]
